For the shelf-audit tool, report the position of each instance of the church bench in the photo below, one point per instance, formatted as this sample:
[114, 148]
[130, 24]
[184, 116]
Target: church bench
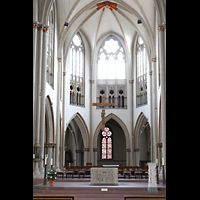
[70, 173]
[81, 172]
[127, 173]
[55, 197]
[154, 197]
[60, 173]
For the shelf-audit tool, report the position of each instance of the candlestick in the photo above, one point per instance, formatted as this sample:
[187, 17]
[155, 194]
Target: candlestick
[162, 161]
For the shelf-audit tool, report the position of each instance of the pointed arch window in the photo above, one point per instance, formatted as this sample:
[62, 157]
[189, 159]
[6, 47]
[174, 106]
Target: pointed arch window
[77, 68]
[141, 73]
[111, 62]
[50, 48]
[111, 71]
[106, 144]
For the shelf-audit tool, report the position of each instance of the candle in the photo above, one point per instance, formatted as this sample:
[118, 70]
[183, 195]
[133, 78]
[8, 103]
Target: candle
[51, 161]
[162, 161]
[46, 156]
[42, 156]
[33, 155]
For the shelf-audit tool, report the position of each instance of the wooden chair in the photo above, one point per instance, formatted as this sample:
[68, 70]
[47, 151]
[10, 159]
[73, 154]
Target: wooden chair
[127, 173]
[81, 172]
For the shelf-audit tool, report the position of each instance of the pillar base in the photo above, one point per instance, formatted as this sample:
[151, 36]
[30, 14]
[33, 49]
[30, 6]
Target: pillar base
[152, 190]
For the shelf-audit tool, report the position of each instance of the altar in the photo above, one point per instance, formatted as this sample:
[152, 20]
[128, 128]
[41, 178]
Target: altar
[108, 175]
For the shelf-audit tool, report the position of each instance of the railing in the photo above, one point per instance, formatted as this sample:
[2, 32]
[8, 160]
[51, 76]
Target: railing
[142, 99]
[120, 102]
[77, 99]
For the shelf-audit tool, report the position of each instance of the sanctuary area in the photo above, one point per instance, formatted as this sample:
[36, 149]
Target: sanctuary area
[99, 99]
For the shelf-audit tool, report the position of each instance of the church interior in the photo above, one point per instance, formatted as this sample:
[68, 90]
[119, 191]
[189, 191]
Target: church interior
[99, 90]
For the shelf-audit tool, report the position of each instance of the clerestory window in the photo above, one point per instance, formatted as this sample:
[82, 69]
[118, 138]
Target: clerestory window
[141, 73]
[77, 68]
[111, 73]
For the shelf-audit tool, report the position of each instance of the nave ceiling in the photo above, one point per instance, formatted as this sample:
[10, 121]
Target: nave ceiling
[83, 15]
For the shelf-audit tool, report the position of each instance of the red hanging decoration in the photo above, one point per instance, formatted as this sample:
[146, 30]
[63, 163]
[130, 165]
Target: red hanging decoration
[107, 5]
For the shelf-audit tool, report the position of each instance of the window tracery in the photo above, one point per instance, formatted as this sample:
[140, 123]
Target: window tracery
[77, 68]
[141, 73]
[106, 144]
[111, 73]
[50, 48]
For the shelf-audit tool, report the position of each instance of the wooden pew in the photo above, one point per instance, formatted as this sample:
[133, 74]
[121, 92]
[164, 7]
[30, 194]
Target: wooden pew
[53, 197]
[144, 197]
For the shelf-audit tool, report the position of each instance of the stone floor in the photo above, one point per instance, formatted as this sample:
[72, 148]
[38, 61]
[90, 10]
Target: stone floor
[82, 189]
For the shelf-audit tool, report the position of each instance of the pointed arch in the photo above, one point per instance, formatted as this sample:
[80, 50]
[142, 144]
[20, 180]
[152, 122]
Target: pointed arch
[141, 120]
[49, 119]
[83, 128]
[120, 122]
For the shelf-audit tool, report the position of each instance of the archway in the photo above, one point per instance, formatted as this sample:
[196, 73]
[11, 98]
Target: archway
[76, 142]
[121, 142]
[142, 141]
[49, 128]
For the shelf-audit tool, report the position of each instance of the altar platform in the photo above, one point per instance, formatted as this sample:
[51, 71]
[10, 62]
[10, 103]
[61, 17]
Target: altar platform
[83, 190]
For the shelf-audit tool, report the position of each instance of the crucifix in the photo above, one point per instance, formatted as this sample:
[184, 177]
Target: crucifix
[103, 105]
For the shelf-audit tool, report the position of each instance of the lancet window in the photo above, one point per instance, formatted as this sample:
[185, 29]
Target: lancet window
[50, 48]
[141, 73]
[77, 68]
[106, 144]
[111, 73]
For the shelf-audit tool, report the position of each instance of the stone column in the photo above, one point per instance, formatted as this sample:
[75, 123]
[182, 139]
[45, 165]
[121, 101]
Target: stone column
[163, 93]
[43, 93]
[58, 112]
[151, 113]
[38, 94]
[86, 151]
[35, 134]
[137, 151]
[63, 122]
[78, 157]
[154, 108]
[132, 119]
[92, 85]
[35, 26]
[95, 156]
[128, 156]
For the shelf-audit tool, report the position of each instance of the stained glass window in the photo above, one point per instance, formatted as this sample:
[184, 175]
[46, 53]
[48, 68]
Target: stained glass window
[106, 144]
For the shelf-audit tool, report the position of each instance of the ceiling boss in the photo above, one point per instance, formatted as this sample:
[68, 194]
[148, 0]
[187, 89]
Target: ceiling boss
[107, 5]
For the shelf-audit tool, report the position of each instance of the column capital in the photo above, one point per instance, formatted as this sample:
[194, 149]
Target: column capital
[161, 27]
[159, 145]
[136, 149]
[59, 60]
[35, 25]
[86, 149]
[91, 81]
[131, 81]
[95, 149]
[45, 29]
[150, 73]
[128, 150]
[64, 73]
[153, 59]
[40, 27]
